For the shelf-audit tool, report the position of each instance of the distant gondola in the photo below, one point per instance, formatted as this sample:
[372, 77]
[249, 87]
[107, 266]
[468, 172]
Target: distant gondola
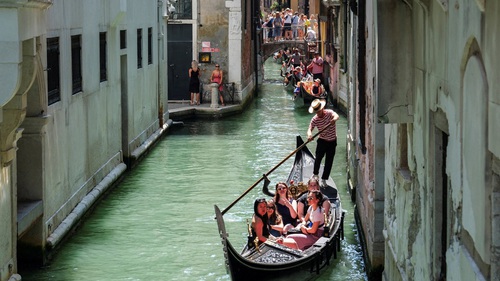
[304, 97]
[270, 260]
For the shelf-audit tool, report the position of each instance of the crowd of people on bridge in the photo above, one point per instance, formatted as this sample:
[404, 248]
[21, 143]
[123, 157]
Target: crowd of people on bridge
[289, 25]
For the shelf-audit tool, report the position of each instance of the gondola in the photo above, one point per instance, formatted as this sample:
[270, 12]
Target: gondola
[304, 97]
[273, 261]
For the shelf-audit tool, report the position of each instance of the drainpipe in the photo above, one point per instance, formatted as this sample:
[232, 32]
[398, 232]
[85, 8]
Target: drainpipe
[255, 23]
[160, 62]
[344, 60]
[362, 72]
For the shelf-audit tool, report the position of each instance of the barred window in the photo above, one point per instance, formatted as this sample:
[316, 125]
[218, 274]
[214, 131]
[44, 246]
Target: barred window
[150, 45]
[139, 48]
[183, 9]
[103, 65]
[76, 62]
[53, 75]
[123, 39]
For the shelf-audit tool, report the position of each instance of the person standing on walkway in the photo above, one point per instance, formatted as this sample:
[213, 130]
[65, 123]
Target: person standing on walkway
[327, 141]
[277, 26]
[287, 22]
[295, 26]
[194, 83]
[217, 78]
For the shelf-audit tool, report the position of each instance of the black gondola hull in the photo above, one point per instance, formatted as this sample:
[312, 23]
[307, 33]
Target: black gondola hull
[272, 261]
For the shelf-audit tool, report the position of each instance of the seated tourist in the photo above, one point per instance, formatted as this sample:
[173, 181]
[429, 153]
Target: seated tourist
[296, 91]
[303, 205]
[317, 88]
[311, 34]
[297, 73]
[274, 221]
[285, 204]
[260, 223]
[259, 220]
[313, 229]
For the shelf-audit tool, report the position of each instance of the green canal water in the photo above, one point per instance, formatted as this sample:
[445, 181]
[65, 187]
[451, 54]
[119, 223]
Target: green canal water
[158, 224]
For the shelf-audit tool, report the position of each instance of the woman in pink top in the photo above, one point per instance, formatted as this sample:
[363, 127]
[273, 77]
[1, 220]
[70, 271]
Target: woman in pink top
[217, 78]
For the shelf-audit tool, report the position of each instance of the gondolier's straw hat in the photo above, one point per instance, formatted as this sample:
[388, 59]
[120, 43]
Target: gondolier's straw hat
[317, 105]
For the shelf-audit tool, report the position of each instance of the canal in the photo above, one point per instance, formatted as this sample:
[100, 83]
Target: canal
[158, 224]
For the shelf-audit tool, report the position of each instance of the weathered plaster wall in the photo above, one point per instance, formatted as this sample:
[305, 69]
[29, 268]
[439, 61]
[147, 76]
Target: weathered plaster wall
[370, 191]
[18, 65]
[7, 247]
[141, 118]
[84, 134]
[247, 54]
[214, 20]
[452, 78]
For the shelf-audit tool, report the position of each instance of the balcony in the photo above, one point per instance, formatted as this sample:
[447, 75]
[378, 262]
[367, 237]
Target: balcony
[331, 3]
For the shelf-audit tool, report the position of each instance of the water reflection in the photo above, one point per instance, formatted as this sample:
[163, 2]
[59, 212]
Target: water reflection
[158, 224]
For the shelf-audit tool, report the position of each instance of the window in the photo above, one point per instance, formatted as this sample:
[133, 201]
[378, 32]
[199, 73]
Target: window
[53, 77]
[123, 39]
[183, 9]
[103, 67]
[139, 48]
[403, 146]
[150, 45]
[76, 62]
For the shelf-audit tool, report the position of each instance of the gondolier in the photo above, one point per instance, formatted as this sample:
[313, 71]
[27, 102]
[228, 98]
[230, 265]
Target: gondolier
[327, 140]
[316, 67]
[271, 260]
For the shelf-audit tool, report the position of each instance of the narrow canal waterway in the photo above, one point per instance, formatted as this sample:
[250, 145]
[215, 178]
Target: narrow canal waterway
[158, 224]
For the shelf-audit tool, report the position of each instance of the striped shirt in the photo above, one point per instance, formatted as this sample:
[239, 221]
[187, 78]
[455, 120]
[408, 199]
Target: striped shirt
[330, 134]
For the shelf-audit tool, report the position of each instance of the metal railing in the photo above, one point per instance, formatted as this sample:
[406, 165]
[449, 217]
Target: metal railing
[269, 35]
[228, 92]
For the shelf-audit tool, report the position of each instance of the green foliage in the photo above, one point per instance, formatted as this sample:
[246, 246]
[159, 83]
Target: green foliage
[275, 6]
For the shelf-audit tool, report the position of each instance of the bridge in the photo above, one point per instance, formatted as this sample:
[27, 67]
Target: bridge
[268, 49]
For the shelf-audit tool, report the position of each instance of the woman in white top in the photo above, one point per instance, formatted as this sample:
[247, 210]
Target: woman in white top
[312, 229]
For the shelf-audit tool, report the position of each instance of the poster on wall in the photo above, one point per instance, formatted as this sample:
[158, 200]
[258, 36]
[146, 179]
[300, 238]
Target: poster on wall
[205, 57]
[205, 46]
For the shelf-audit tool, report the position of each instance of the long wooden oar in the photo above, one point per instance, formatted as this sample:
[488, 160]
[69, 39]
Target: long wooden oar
[272, 170]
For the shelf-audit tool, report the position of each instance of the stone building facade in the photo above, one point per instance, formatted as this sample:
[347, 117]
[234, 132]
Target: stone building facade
[81, 100]
[84, 94]
[222, 33]
[424, 141]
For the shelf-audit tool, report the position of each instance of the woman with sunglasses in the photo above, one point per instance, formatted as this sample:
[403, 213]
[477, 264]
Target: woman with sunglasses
[313, 230]
[275, 222]
[217, 78]
[260, 222]
[303, 204]
[285, 204]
